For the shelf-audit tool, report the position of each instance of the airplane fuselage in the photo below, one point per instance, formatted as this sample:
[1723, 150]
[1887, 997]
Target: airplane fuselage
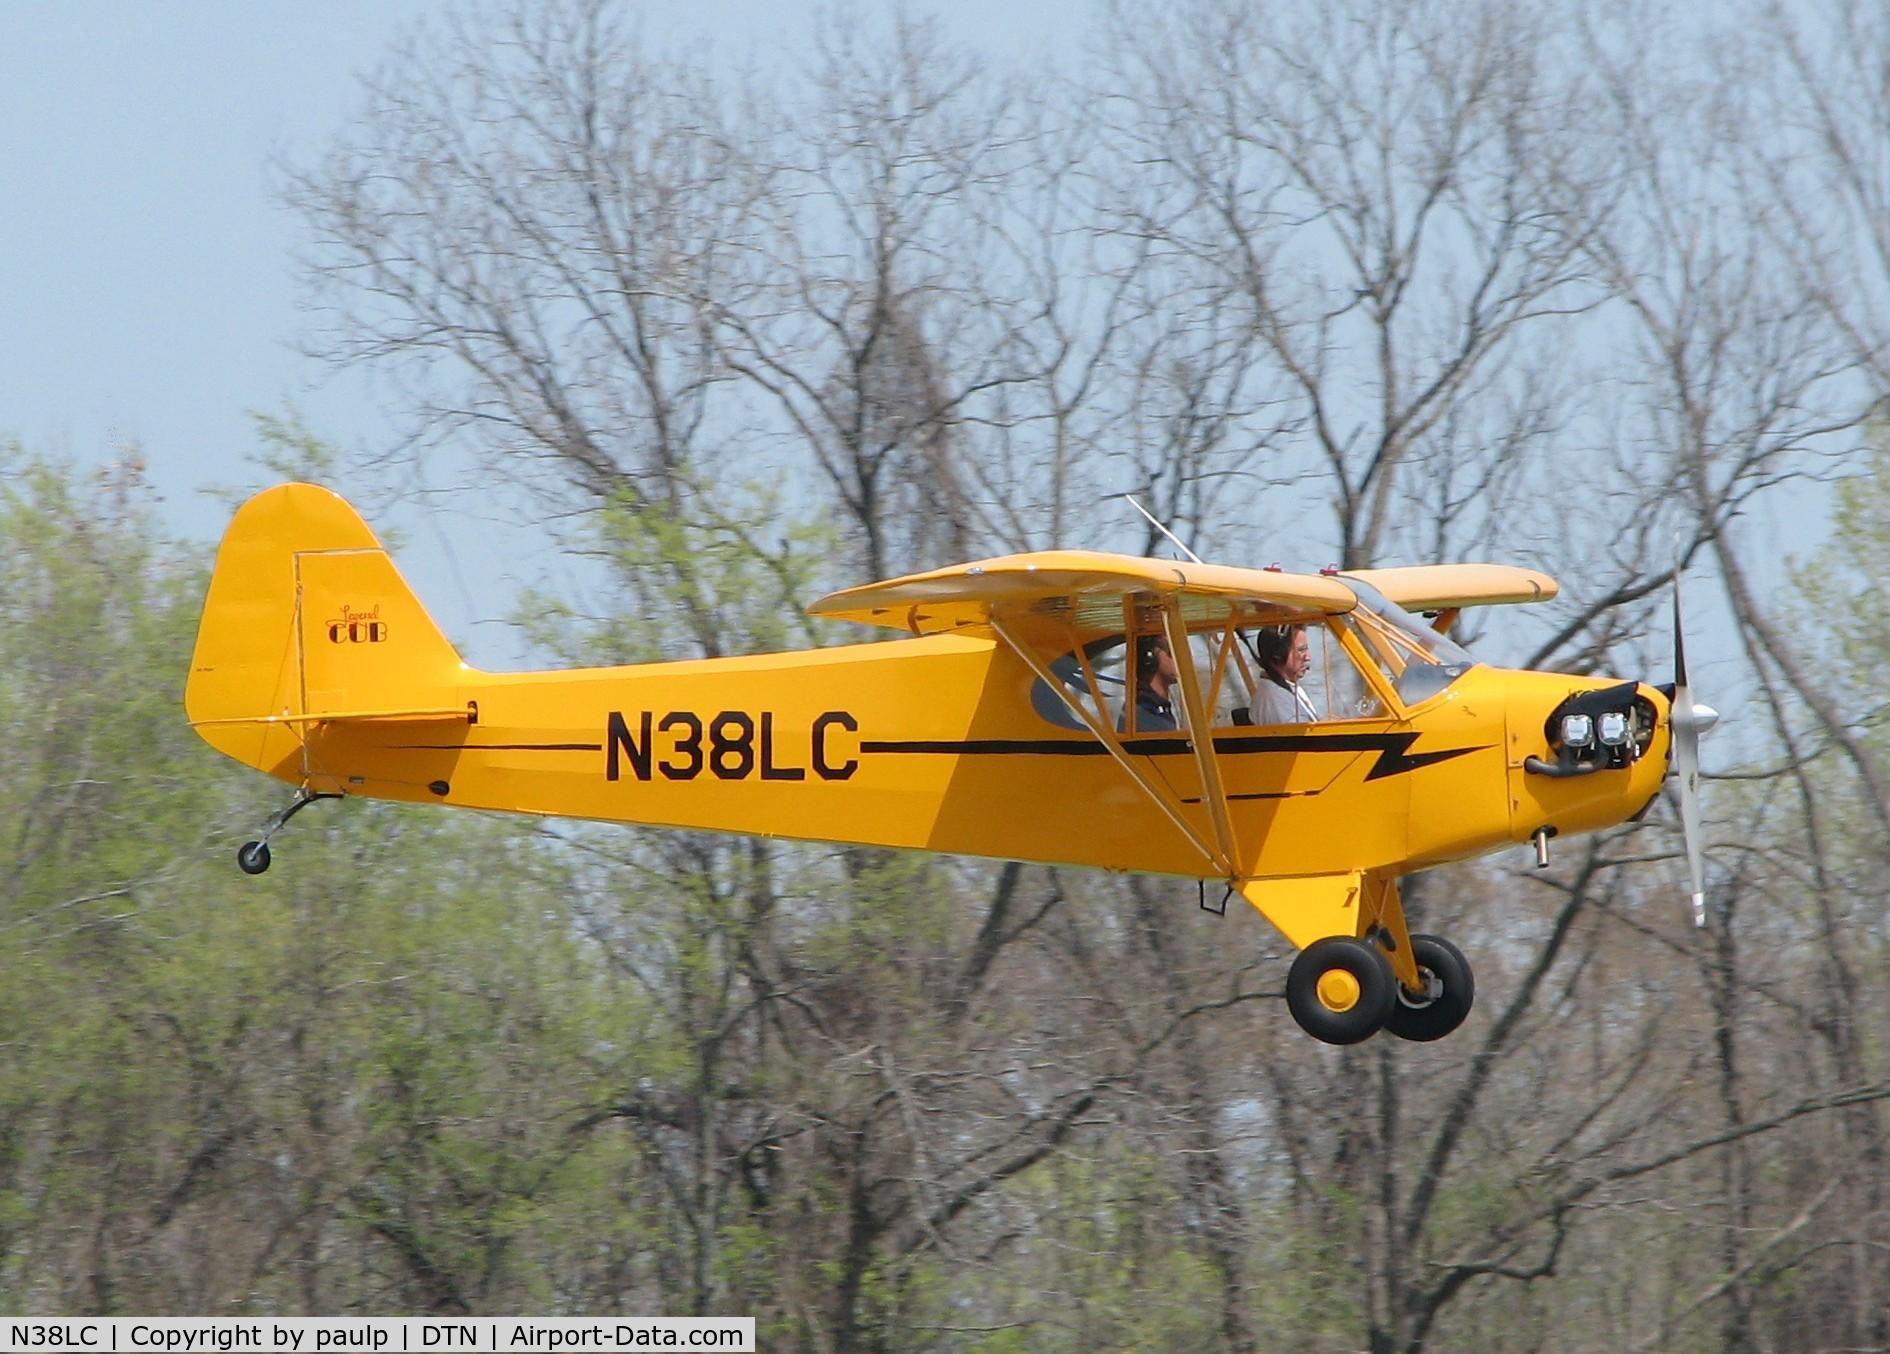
[934, 744]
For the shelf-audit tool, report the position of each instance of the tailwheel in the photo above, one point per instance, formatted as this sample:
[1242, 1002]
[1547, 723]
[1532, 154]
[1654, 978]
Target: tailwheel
[1450, 991]
[1341, 990]
[253, 857]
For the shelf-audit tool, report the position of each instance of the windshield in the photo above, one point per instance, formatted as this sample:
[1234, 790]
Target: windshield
[1418, 660]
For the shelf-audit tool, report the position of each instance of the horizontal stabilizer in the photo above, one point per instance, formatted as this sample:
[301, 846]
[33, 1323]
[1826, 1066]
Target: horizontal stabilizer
[467, 713]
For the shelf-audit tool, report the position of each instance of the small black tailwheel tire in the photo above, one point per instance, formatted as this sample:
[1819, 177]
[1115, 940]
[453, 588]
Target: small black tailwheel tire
[1446, 974]
[1341, 990]
[252, 857]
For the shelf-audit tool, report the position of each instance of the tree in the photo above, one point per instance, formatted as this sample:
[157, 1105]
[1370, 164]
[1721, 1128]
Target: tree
[1390, 283]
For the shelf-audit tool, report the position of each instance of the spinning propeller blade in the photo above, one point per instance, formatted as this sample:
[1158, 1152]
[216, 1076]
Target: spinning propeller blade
[1688, 722]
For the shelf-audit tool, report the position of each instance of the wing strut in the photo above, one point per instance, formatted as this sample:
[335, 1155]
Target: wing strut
[1200, 736]
[1106, 736]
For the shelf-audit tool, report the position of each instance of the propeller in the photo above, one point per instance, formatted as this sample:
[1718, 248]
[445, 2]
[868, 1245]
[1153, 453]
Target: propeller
[1688, 721]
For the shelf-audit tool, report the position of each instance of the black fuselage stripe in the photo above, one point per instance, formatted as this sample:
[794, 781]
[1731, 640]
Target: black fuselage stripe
[1001, 747]
[1393, 757]
[1263, 794]
[1070, 747]
[499, 747]
[991, 747]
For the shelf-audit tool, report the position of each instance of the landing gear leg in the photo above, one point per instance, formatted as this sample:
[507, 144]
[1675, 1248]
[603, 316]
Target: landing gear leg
[253, 857]
[1449, 990]
[1435, 988]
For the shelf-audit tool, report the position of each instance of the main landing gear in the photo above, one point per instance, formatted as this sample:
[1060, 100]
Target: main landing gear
[1342, 990]
[253, 857]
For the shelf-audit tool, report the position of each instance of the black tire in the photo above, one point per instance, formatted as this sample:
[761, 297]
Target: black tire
[252, 857]
[1423, 1021]
[1340, 990]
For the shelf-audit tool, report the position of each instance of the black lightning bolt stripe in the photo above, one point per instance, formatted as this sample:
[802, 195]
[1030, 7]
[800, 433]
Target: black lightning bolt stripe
[1393, 749]
[1395, 761]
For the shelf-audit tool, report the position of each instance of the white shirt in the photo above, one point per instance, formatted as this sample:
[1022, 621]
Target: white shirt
[1278, 704]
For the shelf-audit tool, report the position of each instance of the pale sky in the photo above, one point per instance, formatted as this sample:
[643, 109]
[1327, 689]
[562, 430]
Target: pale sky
[147, 293]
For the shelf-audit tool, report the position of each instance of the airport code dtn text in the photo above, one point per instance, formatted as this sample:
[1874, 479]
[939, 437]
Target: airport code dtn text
[383, 1335]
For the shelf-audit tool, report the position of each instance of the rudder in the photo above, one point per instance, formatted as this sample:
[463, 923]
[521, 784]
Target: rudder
[307, 618]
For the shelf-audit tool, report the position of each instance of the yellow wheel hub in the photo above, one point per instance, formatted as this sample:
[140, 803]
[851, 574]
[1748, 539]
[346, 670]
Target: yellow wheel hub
[1338, 990]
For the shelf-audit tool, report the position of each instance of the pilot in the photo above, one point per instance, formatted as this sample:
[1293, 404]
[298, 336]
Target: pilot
[1155, 677]
[1284, 652]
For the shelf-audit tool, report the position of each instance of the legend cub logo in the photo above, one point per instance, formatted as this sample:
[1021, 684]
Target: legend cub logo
[358, 627]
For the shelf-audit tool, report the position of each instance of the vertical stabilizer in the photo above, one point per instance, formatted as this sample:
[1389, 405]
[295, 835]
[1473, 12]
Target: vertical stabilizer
[307, 617]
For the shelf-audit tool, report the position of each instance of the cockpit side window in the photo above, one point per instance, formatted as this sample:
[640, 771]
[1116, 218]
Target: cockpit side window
[1403, 655]
[1223, 662]
[1104, 659]
[1225, 680]
[1336, 687]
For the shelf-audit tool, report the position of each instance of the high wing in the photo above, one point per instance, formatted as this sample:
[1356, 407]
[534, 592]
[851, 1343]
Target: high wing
[1450, 587]
[1050, 603]
[1084, 588]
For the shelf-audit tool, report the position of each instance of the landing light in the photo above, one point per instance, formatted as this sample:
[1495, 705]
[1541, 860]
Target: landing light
[1613, 728]
[1578, 731]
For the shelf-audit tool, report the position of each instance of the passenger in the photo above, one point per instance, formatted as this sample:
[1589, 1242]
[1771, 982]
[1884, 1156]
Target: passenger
[1284, 652]
[1155, 676]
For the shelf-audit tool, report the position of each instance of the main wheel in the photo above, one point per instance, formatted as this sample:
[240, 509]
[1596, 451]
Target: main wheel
[1452, 989]
[252, 857]
[1340, 990]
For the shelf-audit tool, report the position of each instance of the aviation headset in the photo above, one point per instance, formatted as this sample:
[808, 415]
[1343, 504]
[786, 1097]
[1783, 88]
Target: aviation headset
[1272, 644]
[1146, 649]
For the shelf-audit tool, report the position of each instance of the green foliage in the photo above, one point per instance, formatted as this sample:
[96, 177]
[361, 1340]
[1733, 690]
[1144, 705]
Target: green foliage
[700, 578]
[288, 449]
[365, 1063]
[1858, 559]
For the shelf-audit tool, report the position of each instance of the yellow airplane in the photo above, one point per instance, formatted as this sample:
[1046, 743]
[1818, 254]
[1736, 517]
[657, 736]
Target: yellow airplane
[1301, 738]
